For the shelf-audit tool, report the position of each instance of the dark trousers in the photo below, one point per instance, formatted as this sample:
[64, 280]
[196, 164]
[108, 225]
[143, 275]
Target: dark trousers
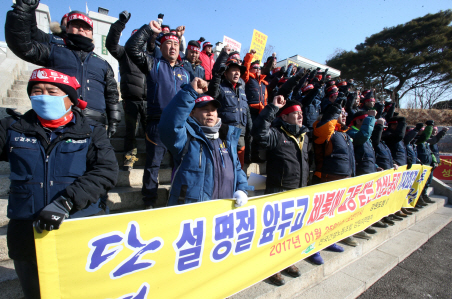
[134, 111]
[155, 150]
[27, 271]
[427, 184]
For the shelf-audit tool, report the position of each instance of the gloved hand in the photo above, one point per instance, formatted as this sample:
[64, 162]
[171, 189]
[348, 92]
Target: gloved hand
[222, 69]
[201, 39]
[282, 71]
[160, 16]
[241, 198]
[111, 129]
[124, 16]
[409, 165]
[430, 123]
[26, 5]
[419, 126]
[53, 214]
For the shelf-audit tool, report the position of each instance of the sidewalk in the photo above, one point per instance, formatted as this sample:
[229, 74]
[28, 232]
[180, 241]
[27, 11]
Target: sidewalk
[426, 273]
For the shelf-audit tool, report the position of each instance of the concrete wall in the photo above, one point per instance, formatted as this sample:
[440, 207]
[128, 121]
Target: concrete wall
[102, 25]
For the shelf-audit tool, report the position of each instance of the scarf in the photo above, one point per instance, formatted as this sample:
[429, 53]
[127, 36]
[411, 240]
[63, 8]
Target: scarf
[79, 42]
[56, 123]
[210, 132]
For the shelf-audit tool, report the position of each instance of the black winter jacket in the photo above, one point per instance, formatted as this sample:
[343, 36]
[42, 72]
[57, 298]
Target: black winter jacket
[287, 151]
[18, 38]
[133, 81]
[80, 164]
[383, 154]
[394, 140]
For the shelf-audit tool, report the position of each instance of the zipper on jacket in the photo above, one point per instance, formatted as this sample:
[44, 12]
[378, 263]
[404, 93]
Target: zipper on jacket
[200, 156]
[46, 170]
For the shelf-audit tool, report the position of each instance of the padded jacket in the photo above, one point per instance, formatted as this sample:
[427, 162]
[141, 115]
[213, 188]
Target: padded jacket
[133, 81]
[287, 149]
[163, 80]
[192, 151]
[95, 75]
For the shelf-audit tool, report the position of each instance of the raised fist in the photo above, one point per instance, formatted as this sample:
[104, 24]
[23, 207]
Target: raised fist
[199, 85]
[279, 101]
[27, 5]
[227, 49]
[372, 113]
[253, 51]
[160, 16]
[380, 121]
[155, 27]
[124, 16]
[180, 31]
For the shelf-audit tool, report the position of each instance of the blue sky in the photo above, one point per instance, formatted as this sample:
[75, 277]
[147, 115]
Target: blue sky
[313, 29]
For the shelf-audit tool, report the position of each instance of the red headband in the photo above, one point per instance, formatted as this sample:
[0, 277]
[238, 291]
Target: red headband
[371, 100]
[308, 87]
[51, 76]
[235, 56]
[255, 65]
[206, 44]
[79, 16]
[193, 48]
[319, 77]
[165, 29]
[133, 32]
[331, 88]
[392, 122]
[365, 92]
[164, 38]
[343, 83]
[203, 99]
[291, 109]
[358, 117]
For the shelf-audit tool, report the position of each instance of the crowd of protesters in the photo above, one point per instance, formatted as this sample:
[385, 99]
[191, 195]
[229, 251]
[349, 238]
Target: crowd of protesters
[212, 115]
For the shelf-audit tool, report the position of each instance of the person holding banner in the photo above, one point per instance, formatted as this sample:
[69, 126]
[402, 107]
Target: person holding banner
[433, 141]
[287, 145]
[425, 154]
[334, 157]
[61, 163]
[361, 128]
[203, 147]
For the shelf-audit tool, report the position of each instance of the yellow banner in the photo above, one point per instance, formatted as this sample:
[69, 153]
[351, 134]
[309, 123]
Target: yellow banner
[212, 249]
[258, 42]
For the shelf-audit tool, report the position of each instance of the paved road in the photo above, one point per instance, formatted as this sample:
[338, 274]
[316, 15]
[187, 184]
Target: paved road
[426, 273]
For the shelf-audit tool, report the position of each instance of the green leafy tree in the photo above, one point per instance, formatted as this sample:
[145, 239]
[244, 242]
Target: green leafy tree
[402, 58]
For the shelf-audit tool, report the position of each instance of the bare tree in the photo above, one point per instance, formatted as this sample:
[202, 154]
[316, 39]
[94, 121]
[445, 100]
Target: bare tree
[426, 97]
[268, 51]
[243, 52]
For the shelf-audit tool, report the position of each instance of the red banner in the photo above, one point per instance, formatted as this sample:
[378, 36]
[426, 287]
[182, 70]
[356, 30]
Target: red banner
[444, 171]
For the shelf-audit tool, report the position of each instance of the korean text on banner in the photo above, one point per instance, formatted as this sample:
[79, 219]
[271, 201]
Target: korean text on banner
[258, 42]
[206, 250]
[444, 171]
[233, 44]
